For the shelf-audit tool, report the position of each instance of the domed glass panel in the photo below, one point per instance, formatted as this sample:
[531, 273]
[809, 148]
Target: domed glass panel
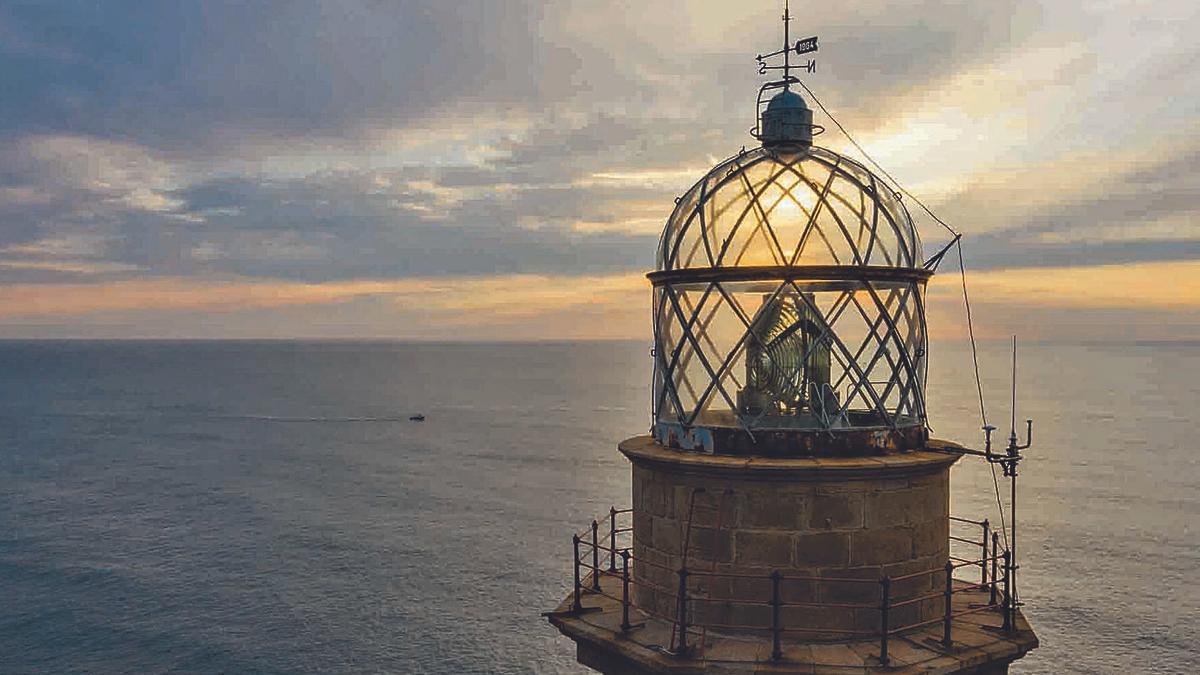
[771, 206]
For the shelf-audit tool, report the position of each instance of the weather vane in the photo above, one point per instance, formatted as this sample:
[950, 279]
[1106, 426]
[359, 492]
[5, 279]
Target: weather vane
[802, 47]
[803, 124]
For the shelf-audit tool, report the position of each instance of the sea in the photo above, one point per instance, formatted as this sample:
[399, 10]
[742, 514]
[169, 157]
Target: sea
[268, 507]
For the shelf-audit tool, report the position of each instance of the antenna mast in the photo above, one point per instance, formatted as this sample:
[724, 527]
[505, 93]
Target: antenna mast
[1012, 435]
[787, 53]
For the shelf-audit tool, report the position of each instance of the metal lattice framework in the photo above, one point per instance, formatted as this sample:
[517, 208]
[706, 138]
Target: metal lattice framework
[789, 297]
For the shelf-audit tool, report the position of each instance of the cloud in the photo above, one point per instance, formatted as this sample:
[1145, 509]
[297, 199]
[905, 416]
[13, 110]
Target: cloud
[1157, 285]
[171, 76]
[518, 306]
[1092, 208]
[331, 144]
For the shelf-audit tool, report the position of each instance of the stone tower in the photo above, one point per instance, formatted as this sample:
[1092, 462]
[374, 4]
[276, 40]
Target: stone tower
[790, 512]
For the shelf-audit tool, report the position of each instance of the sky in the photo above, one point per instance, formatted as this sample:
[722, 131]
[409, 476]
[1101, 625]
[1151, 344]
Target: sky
[502, 170]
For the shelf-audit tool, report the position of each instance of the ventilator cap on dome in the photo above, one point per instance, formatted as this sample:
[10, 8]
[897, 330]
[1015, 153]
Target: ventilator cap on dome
[787, 120]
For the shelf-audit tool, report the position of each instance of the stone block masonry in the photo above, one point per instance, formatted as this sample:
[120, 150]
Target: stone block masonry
[821, 520]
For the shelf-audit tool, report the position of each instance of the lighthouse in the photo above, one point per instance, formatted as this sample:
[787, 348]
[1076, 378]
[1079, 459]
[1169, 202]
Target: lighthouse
[790, 512]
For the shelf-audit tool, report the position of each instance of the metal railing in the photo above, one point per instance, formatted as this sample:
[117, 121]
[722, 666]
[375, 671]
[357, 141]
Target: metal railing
[995, 577]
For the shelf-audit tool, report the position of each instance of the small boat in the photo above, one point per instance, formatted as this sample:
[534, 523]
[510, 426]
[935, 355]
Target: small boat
[417, 418]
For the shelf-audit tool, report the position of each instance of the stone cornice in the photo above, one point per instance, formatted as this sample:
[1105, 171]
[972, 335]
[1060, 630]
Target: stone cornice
[645, 451]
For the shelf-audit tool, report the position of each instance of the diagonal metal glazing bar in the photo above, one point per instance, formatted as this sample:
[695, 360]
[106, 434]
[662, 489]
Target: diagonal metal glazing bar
[904, 357]
[914, 340]
[701, 203]
[846, 367]
[904, 367]
[699, 354]
[656, 352]
[884, 318]
[679, 377]
[707, 224]
[835, 310]
[824, 207]
[907, 333]
[726, 363]
[761, 227]
[763, 214]
[837, 218]
[686, 326]
[812, 217]
[669, 368]
[656, 390]
[695, 311]
[920, 312]
[837, 197]
[786, 194]
[846, 352]
[824, 204]
[887, 256]
[766, 218]
[660, 362]
[898, 371]
[881, 349]
[748, 333]
[695, 212]
[671, 248]
[681, 235]
[763, 222]
[733, 163]
[791, 330]
[864, 383]
[713, 383]
[831, 320]
[660, 357]
[913, 236]
[753, 199]
[872, 328]
[736, 164]
[704, 324]
[908, 253]
[671, 254]
[911, 394]
[861, 212]
[737, 381]
[905, 230]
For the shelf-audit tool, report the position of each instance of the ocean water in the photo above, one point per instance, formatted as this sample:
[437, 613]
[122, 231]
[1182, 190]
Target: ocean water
[245, 507]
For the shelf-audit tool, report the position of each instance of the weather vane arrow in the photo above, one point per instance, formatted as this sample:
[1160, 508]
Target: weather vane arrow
[806, 46]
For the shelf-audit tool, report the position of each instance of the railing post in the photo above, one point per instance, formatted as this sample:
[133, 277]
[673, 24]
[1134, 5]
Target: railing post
[612, 539]
[577, 605]
[983, 560]
[1007, 591]
[776, 627]
[595, 556]
[995, 561]
[682, 618]
[885, 606]
[625, 625]
[949, 607]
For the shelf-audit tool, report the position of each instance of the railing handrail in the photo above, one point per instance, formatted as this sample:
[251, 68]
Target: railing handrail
[683, 623]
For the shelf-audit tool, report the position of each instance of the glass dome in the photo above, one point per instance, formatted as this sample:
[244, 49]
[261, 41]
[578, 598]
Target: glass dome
[769, 206]
[789, 311]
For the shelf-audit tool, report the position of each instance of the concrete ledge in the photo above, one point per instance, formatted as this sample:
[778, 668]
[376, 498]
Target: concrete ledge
[644, 450]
